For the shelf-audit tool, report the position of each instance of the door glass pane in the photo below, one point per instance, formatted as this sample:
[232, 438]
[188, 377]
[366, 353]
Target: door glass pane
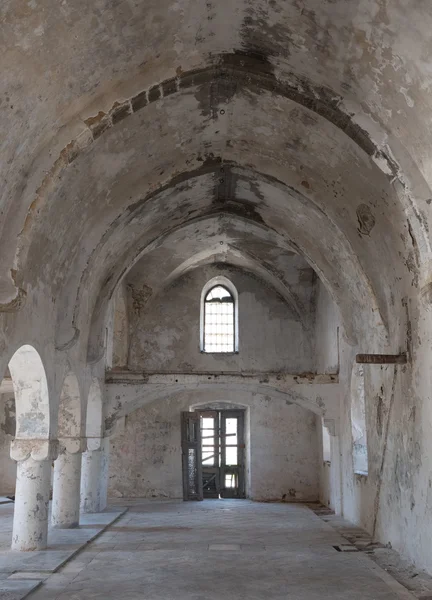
[231, 430]
[208, 457]
[230, 480]
[231, 456]
[207, 431]
[208, 441]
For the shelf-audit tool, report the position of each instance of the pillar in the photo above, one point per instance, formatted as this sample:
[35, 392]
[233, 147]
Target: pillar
[33, 485]
[66, 486]
[94, 475]
[336, 465]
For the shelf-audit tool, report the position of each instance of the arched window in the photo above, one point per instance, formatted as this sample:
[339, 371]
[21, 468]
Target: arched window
[219, 317]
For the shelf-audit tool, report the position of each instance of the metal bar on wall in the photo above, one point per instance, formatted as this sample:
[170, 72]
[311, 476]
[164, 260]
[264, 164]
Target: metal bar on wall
[381, 359]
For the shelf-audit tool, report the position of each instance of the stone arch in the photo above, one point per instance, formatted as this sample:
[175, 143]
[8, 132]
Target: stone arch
[67, 468]
[124, 401]
[94, 416]
[70, 409]
[216, 404]
[31, 394]
[94, 460]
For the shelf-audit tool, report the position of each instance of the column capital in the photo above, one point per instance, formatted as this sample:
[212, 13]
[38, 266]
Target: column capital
[72, 445]
[93, 443]
[37, 449]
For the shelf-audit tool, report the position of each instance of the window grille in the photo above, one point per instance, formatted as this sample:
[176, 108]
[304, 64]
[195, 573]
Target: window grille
[219, 323]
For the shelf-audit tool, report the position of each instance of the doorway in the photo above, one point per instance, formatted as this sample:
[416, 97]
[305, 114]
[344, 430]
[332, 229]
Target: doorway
[222, 453]
[213, 442]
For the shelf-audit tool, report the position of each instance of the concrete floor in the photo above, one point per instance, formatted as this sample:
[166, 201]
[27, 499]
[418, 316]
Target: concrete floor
[218, 549]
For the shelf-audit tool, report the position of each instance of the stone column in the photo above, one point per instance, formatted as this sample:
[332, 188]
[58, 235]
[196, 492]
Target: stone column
[67, 481]
[32, 492]
[94, 475]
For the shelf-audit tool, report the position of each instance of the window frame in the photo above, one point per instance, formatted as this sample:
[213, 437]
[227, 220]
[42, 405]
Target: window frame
[226, 283]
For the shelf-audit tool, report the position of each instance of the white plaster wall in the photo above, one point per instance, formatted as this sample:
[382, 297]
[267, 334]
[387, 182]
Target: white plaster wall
[145, 458]
[165, 334]
[393, 498]
[7, 432]
[284, 452]
[360, 492]
[355, 496]
[407, 463]
[146, 455]
[393, 501]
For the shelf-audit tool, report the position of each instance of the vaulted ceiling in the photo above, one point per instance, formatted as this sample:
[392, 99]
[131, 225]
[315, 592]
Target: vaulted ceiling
[271, 126]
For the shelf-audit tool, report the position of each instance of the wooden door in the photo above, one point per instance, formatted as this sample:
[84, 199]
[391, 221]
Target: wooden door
[232, 471]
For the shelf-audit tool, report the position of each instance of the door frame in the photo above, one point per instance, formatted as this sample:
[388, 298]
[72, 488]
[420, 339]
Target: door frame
[220, 471]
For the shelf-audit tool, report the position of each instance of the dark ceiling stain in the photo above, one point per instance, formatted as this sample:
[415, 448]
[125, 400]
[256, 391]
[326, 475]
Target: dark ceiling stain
[365, 218]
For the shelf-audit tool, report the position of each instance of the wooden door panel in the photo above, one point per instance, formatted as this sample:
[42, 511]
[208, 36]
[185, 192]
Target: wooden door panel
[191, 456]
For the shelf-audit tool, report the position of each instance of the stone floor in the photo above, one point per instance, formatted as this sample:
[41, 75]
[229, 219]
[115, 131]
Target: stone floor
[20, 572]
[217, 550]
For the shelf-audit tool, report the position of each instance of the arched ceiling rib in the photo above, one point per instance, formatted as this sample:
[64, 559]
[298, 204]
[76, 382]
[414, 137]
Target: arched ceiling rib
[217, 85]
[230, 240]
[233, 75]
[237, 257]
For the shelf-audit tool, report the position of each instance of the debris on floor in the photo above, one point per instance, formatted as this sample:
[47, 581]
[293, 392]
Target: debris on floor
[418, 582]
